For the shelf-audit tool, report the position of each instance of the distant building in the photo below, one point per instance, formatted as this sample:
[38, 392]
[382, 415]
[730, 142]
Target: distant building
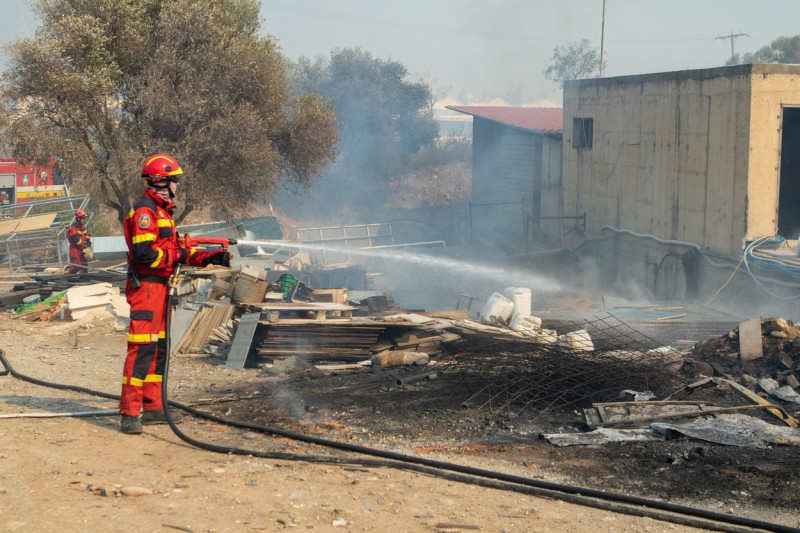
[493, 102]
[542, 102]
[451, 123]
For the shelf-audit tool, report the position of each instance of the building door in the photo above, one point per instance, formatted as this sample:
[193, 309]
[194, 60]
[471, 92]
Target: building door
[789, 193]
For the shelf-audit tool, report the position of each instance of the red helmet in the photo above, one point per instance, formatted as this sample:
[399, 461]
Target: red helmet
[161, 167]
[80, 213]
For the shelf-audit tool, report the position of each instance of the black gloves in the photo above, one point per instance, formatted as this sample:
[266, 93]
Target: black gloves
[88, 243]
[220, 257]
[182, 254]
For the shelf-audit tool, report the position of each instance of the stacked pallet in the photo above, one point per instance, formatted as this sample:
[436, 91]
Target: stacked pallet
[317, 341]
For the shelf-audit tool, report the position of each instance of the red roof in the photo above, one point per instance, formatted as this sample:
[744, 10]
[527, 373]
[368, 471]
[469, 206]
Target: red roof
[548, 120]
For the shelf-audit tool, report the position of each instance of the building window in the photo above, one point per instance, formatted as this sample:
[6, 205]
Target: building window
[582, 131]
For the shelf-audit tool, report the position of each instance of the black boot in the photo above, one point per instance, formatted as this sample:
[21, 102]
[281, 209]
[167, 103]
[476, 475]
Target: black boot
[130, 425]
[158, 417]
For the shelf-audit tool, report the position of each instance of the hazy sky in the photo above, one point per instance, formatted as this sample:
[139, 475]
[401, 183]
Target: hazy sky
[487, 48]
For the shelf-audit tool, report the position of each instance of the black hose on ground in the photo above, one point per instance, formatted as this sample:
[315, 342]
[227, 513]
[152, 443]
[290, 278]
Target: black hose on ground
[620, 503]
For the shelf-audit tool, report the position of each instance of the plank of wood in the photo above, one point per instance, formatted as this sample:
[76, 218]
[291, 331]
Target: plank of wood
[35, 222]
[8, 226]
[242, 340]
[179, 324]
[16, 297]
[454, 314]
[80, 302]
[775, 410]
[750, 340]
[702, 410]
[93, 289]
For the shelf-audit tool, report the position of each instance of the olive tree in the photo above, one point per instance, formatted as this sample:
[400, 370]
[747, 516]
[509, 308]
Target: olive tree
[105, 83]
[573, 61]
[781, 50]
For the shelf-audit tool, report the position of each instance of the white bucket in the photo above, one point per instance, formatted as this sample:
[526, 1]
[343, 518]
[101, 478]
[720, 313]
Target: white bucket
[498, 308]
[521, 296]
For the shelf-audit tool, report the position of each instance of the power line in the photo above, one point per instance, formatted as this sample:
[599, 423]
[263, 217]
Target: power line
[732, 37]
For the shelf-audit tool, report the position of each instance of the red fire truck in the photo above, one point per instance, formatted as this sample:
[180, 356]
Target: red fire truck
[23, 182]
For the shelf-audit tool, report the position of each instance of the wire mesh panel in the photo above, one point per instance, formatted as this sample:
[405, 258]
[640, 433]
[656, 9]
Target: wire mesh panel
[517, 375]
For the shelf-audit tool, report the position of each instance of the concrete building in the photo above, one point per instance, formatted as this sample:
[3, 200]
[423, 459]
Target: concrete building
[674, 168]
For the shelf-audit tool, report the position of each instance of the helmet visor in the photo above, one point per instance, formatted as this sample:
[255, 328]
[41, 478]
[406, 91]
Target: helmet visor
[162, 179]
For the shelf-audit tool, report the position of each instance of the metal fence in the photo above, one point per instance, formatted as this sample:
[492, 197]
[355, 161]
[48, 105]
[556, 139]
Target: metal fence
[32, 240]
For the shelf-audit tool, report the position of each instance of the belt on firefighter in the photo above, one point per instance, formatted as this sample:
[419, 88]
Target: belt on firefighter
[154, 279]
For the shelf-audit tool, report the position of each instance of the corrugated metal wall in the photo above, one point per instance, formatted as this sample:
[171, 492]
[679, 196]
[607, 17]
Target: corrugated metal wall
[513, 172]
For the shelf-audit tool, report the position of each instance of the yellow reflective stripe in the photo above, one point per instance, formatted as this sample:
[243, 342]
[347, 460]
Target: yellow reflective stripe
[144, 237]
[131, 212]
[132, 381]
[157, 262]
[144, 338]
[136, 382]
[162, 335]
[165, 223]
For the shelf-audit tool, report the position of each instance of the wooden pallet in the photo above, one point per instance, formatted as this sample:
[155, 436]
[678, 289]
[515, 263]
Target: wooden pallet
[278, 311]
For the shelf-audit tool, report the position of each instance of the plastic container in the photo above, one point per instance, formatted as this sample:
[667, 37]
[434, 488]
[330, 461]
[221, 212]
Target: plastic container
[33, 299]
[521, 296]
[577, 340]
[498, 309]
[286, 284]
[525, 323]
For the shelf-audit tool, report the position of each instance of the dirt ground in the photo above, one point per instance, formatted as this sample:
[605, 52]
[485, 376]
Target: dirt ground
[65, 473]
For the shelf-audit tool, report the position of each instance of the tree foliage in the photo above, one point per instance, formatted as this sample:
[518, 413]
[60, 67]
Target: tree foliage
[383, 118]
[573, 61]
[781, 50]
[105, 83]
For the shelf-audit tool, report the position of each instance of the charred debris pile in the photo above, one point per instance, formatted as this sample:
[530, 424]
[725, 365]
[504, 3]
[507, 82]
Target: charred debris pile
[755, 351]
[512, 360]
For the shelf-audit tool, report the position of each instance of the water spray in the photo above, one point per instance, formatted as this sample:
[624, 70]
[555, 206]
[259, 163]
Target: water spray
[448, 266]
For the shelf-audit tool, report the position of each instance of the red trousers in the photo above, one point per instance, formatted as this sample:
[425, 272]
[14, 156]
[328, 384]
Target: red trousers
[147, 349]
[76, 257]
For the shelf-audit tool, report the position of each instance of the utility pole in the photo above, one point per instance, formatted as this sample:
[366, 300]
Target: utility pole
[602, 38]
[732, 37]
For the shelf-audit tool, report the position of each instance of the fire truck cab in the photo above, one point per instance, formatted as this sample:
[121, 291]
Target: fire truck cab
[23, 182]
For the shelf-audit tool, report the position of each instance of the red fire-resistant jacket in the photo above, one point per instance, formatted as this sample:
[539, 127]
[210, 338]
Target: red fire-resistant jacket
[153, 245]
[77, 237]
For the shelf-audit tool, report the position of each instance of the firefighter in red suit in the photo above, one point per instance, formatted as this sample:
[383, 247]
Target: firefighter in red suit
[154, 251]
[79, 239]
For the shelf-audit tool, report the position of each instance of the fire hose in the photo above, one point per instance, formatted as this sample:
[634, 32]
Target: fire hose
[613, 502]
[618, 503]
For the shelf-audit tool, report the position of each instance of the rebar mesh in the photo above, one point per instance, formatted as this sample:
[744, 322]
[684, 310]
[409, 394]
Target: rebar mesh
[516, 376]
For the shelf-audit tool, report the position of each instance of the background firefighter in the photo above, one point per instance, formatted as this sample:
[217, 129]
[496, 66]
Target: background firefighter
[154, 251]
[79, 243]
